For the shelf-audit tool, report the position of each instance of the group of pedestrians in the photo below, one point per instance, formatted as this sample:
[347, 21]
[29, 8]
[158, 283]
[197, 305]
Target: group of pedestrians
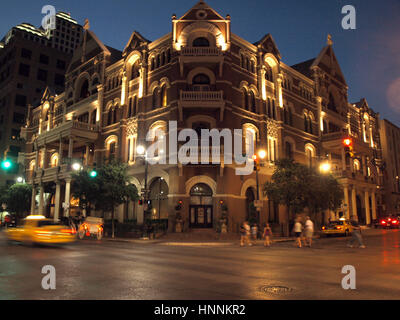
[249, 234]
[303, 234]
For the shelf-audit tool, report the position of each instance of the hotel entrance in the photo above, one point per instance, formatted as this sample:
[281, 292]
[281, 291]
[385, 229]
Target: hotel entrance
[201, 208]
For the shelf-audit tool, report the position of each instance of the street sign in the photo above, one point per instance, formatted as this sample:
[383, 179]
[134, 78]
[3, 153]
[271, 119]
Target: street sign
[258, 203]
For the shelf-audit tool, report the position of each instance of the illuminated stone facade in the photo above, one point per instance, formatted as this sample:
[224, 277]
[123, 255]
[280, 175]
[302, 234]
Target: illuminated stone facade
[202, 76]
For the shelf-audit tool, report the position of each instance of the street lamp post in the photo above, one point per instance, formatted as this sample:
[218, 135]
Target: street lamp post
[141, 151]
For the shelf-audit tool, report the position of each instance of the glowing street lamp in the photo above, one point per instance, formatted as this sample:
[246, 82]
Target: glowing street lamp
[140, 150]
[262, 154]
[20, 179]
[76, 166]
[325, 167]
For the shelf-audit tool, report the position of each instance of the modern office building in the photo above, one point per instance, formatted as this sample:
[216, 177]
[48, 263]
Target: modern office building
[31, 59]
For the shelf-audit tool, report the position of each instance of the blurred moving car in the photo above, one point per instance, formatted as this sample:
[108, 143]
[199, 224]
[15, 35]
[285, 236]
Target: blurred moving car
[341, 227]
[389, 222]
[38, 229]
[92, 226]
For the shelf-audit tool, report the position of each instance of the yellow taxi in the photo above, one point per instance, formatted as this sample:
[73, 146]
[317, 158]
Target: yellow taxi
[341, 227]
[38, 229]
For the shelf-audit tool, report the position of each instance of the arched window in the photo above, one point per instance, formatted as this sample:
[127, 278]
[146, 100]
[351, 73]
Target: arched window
[84, 93]
[152, 64]
[162, 58]
[158, 61]
[245, 99]
[112, 149]
[309, 155]
[253, 66]
[115, 115]
[273, 109]
[269, 108]
[252, 101]
[110, 117]
[135, 70]
[156, 104]
[135, 106]
[201, 42]
[269, 75]
[201, 79]
[168, 55]
[331, 103]
[164, 98]
[94, 117]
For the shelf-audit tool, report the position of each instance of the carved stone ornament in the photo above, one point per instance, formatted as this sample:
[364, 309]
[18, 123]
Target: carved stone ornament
[131, 127]
[272, 128]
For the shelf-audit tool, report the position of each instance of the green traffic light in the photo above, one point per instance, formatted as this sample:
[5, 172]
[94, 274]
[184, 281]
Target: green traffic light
[6, 164]
[93, 174]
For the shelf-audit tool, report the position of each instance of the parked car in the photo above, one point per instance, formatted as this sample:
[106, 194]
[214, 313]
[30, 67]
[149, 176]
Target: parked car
[389, 222]
[341, 227]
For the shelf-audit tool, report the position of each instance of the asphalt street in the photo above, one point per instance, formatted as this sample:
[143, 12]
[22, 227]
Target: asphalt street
[92, 269]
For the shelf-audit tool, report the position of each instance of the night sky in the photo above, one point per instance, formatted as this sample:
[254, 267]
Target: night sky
[369, 56]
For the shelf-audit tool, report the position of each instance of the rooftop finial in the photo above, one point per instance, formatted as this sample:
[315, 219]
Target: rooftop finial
[86, 26]
[329, 41]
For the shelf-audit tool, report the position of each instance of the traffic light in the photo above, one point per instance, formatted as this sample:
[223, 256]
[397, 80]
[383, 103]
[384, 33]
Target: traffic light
[93, 174]
[348, 147]
[140, 202]
[6, 165]
[256, 163]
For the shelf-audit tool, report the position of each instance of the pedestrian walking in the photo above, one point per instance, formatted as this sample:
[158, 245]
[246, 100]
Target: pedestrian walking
[245, 234]
[308, 232]
[267, 235]
[356, 236]
[297, 229]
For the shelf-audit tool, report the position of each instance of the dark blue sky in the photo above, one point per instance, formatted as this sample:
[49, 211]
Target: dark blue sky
[369, 56]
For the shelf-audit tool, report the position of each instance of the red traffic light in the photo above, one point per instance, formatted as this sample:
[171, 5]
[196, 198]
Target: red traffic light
[347, 142]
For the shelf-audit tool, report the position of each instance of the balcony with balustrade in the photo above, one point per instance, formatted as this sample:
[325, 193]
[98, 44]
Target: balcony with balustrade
[201, 55]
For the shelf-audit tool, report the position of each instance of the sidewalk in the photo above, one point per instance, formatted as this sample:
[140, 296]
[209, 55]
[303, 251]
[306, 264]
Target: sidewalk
[192, 241]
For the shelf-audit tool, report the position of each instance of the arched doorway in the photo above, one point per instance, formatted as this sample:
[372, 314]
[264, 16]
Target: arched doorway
[201, 206]
[251, 212]
[159, 199]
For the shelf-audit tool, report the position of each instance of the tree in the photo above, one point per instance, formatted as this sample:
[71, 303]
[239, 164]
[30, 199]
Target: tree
[18, 199]
[298, 187]
[114, 188]
[287, 187]
[324, 193]
[86, 189]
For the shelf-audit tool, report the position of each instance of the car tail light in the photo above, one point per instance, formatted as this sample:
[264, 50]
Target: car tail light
[323, 228]
[389, 219]
[338, 228]
[394, 221]
[70, 231]
[383, 222]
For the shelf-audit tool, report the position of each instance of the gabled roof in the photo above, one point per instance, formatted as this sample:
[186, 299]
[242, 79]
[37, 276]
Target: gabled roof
[135, 41]
[90, 47]
[304, 67]
[327, 61]
[269, 45]
[201, 5]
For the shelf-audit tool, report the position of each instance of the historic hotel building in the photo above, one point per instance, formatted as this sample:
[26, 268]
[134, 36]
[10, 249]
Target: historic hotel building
[203, 76]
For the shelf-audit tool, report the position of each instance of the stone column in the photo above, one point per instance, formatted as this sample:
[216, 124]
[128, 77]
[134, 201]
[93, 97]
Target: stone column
[346, 202]
[67, 196]
[60, 152]
[33, 201]
[87, 155]
[70, 148]
[45, 158]
[367, 208]
[100, 99]
[57, 201]
[373, 200]
[41, 200]
[354, 202]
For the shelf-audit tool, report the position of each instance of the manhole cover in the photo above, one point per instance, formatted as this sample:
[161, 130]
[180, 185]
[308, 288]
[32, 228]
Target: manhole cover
[276, 289]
